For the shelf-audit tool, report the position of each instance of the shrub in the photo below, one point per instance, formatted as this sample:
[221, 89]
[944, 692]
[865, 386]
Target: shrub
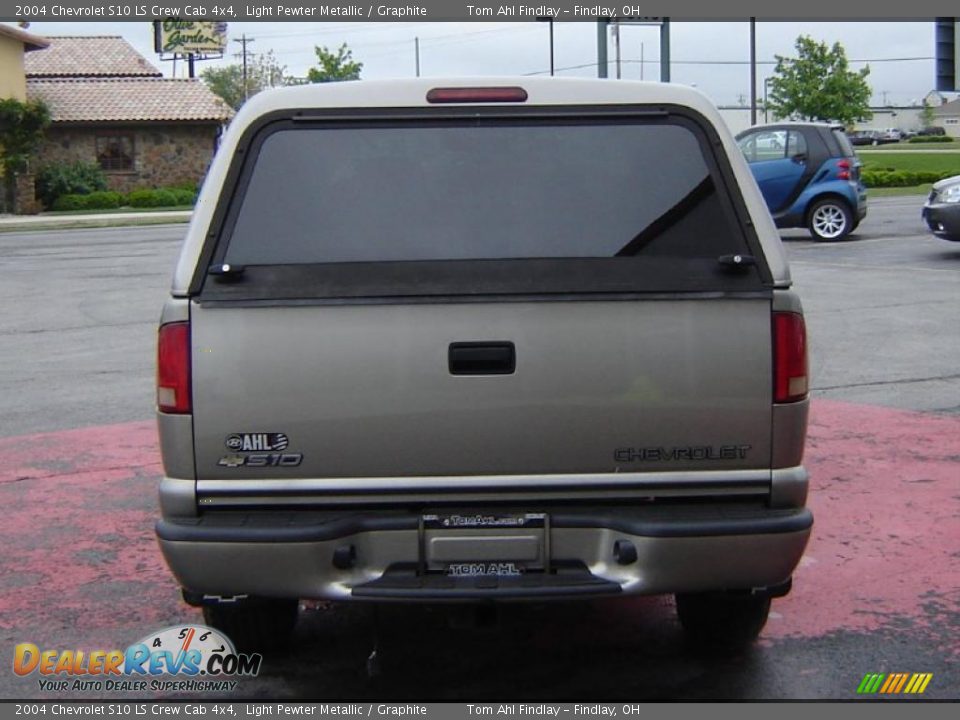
[184, 196]
[62, 178]
[931, 139]
[885, 177]
[105, 200]
[151, 198]
[100, 200]
[191, 187]
[164, 197]
[69, 202]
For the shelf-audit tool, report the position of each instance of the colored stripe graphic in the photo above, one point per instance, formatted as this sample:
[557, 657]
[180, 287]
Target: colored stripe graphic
[894, 683]
[870, 683]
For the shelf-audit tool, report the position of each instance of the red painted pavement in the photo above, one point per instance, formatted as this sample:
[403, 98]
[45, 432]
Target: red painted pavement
[885, 493]
[81, 567]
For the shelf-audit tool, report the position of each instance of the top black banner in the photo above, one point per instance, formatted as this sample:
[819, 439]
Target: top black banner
[465, 10]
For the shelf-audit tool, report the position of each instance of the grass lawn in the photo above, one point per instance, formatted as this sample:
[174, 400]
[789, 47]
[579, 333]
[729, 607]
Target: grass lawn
[909, 147]
[921, 190]
[946, 163]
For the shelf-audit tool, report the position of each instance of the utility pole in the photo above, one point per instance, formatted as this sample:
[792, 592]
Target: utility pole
[602, 47]
[549, 19]
[616, 35]
[416, 47]
[244, 40]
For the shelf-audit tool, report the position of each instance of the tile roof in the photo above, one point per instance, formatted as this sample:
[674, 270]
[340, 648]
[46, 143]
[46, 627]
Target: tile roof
[30, 41]
[128, 100]
[88, 56]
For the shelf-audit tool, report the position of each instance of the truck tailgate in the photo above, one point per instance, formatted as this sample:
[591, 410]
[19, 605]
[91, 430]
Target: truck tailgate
[368, 390]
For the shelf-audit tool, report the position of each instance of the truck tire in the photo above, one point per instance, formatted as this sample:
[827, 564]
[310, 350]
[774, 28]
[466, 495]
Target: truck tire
[255, 625]
[722, 619]
[829, 219]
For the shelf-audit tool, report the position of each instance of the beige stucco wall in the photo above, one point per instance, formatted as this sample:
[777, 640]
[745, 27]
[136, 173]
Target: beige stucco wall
[13, 83]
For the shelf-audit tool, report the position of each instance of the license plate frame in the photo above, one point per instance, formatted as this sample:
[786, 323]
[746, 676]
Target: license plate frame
[483, 544]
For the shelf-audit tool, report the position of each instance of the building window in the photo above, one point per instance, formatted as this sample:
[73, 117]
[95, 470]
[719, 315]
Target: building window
[951, 121]
[115, 152]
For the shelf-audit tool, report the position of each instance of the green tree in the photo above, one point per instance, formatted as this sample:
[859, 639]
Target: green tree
[819, 85]
[926, 115]
[334, 66]
[22, 125]
[263, 71]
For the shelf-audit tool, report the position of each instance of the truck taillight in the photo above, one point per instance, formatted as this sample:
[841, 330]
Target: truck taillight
[790, 367]
[173, 368]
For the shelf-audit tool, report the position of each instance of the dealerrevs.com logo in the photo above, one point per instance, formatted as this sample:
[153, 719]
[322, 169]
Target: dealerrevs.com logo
[183, 658]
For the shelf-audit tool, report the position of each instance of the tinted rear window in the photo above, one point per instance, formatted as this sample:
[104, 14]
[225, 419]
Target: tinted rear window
[472, 190]
[845, 145]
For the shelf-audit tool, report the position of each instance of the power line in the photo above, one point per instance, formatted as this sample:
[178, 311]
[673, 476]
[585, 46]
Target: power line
[721, 62]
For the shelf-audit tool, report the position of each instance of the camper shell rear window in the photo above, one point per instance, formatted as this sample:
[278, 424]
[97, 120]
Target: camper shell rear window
[636, 198]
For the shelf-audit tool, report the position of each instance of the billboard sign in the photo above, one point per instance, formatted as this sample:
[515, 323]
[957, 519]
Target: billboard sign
[186, 37]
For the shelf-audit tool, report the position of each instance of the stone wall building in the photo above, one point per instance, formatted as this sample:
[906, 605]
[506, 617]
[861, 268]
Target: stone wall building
[111, 107]
[143, 133]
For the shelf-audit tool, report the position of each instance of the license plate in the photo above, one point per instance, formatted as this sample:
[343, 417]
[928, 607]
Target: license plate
[484, 569]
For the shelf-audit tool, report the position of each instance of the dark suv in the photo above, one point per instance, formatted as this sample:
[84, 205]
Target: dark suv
[809, 175]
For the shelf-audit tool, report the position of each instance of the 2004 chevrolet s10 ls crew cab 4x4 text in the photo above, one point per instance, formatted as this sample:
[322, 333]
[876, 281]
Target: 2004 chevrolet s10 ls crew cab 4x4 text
[482, 340]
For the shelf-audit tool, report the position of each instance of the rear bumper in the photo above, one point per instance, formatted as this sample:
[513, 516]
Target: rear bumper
[679, 548]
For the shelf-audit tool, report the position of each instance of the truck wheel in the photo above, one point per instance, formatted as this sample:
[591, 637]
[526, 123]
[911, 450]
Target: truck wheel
[829, 219]
[255, 625]
[722, 619]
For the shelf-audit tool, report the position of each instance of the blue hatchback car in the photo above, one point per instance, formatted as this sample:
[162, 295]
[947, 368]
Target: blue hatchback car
[809, 175]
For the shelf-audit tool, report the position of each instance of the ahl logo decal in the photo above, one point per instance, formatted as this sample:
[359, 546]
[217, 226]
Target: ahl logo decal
[257, 442]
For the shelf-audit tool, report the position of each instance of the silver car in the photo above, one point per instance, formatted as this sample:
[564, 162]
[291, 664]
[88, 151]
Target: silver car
[474, 340]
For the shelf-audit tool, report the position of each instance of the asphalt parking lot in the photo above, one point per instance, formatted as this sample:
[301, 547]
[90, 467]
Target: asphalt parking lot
[878, 590]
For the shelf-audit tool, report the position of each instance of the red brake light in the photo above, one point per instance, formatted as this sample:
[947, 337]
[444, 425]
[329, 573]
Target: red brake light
[790, 367]
[477, 95]
[844, 169]
[173, 368]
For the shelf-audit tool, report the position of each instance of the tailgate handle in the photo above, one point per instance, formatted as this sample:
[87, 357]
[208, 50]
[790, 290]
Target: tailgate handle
[482, 358]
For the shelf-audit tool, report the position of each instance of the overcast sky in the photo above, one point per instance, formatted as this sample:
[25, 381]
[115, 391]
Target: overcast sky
[713, 56]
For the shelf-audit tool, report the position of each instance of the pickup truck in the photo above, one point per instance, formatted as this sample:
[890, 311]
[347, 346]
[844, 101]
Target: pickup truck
[481, 341]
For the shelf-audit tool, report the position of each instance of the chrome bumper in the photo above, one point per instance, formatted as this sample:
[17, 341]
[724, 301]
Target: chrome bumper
[380, 554]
